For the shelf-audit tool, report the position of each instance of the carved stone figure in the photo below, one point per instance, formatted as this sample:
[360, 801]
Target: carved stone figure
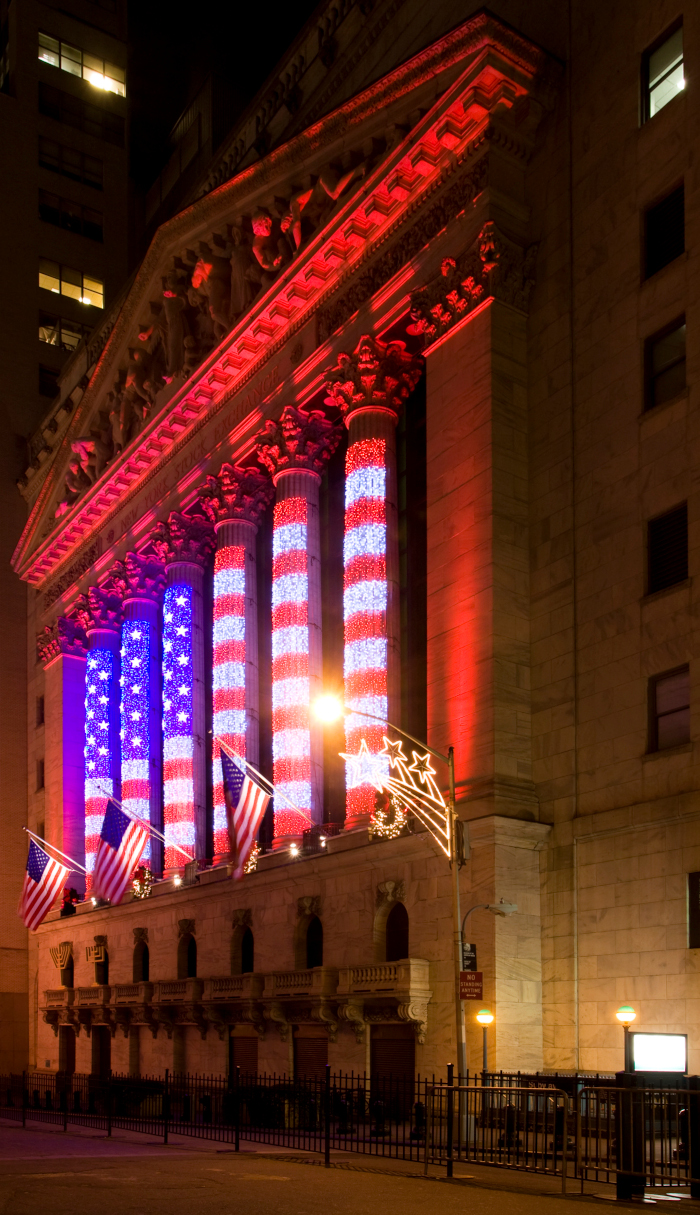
[269, 245]
[246, 275]
[175, 323]
[308, 208]
[211, 279]
[76, 483]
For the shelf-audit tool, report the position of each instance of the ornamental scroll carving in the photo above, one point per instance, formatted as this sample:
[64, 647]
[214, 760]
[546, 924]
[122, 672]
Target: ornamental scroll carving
[299, 440]
[137, 577]
[183, 539]
[65, 636]
[493, 266]
[236, 493]
[99, 609]
[377, 374]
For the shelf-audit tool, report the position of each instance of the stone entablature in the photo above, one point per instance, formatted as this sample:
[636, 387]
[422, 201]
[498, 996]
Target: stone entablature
[321, 238]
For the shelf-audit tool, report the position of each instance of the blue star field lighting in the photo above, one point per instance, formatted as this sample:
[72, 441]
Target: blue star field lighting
[134, 713]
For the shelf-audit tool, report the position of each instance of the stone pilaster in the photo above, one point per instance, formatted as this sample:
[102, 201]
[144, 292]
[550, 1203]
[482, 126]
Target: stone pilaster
[295, 451]
[369, 386]
[62, 648]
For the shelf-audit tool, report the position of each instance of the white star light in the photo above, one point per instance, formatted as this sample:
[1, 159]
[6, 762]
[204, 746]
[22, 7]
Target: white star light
[168, 617]
[136, 741]
[168, 674]
[92, 688]
[182, 717]
[136, 689]
[91, 713]
[91, 740]
[104, 675]
[183, 690]
[91, 765]
[102, 751]
[92, 662]
[135, 716]
[136, 635]
[167, 646]
[167, 704]
[104, 725]
[364, 767]
[136, 662]
[182, 660]
[181, 630]
[103, 700]
[181, 600]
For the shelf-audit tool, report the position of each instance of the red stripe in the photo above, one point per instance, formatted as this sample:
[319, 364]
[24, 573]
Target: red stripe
[370, 682]
[177, 769]
[229, 651]
[292, 767]
[365, 453]
[370, 567]
[290, 510]
[365, 624]
[365, 510]
[230, 557]
[228, 698]
[290, 666]
[292, 562]
[229, 605]
[287, 614]
[290, 717]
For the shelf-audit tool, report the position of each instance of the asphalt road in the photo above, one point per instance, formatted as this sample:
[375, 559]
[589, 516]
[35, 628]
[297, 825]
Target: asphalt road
[43, 1173]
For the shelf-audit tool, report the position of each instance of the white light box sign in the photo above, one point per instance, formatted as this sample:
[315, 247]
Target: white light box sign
[659, 1052]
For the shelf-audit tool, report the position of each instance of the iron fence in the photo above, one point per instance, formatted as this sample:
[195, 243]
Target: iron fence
[590, 1132]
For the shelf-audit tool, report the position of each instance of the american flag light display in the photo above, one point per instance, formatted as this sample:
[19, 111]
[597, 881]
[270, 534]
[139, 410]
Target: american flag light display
[229, 673]
[98, 757]
[291, 737]
[365, 608]
[135, 734]
[178, 741]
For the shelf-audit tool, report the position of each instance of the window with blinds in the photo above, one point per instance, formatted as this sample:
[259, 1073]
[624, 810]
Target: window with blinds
[669, 704]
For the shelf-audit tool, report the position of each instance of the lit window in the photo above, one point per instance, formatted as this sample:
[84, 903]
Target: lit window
[663, 72]
[665, 365]
[670, 710]
[63, 280]
[98, 72]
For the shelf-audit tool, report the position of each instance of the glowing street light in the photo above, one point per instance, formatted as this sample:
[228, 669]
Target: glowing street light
[626, 1015]
[485, 1018]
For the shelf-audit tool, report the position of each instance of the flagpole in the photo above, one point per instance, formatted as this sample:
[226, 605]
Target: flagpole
[144, 823]
[78, 868]
[277, 792]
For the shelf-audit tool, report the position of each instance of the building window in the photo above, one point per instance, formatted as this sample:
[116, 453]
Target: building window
[61, 280]
[48, 381]
[69, 163]
[91, 119]
[664, 232]
[314, 943]
[397, 933]
[57, 331]
[72, 216]
[40, 710]
[667, 549]
[664, 365]
[141, 962]
[187, 957]
[662, 72]
[694, 911]
[669, 697]
[39, 775]
[96, 71]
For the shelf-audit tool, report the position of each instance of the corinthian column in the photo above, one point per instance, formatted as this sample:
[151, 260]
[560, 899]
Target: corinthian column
[140, 581]
[100, 614]
[295, 451]
[234, 502]
[185, 546]
[369, 386]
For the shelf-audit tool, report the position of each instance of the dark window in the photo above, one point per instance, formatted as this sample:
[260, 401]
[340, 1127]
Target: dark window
[57, 331]
[101, 1051]
[694, 911]
[4, 59]
[69, 163]
[243, 1053]
[664, 365]
[66, 1049]
[80, 115]
[70, 215]
[40, 710]
[102, 968]
[664, 232]
[247, 952]
[314, 943]
[397, 933]
[48, 381]
[310, 1057]
[662, 72]
[187, 957]
[669, 703]
[67, 972]
[667, 549]
[39, 775]
[141, 962]
[192, 958]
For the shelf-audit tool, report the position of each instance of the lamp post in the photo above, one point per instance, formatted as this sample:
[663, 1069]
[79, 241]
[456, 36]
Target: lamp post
[626, 1015]
[329, 709]
[485, 1018]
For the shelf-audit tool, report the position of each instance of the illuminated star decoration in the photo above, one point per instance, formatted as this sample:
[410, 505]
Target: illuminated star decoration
[98, 760]
[134, 711]
[364, 768]
[413, 787]
[178, 737]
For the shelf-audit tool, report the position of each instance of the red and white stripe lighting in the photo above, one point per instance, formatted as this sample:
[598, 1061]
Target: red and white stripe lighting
[291, 735]
[229, 673]
[365, 611]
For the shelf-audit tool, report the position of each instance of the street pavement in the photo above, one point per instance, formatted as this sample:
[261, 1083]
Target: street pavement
[48, 1172]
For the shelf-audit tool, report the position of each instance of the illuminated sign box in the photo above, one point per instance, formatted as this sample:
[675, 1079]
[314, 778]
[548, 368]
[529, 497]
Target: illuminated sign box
[659, 1052]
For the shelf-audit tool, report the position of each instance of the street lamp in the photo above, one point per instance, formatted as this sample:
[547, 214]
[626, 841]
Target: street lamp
[626, 1015]
[485, 1018]
[331, 708]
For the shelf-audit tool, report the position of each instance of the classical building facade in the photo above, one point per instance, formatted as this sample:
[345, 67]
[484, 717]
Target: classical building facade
[395, 412]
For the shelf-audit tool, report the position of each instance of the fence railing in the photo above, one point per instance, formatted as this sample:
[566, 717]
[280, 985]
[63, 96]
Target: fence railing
[595, 1132]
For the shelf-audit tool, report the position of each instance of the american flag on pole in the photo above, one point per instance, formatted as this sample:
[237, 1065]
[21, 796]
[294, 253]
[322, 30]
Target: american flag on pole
[42, 882]
[122, 840]
[246, 802]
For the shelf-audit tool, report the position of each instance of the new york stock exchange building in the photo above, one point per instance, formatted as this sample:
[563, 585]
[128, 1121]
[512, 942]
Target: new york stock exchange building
[373, 420]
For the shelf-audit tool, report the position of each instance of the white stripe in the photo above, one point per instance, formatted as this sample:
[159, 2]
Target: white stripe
[368, 482]
[179, 747]
[291, 640]
[367, 596]
[229, 721]
[229, 628]
[290, 588]
[179, 791]
[366, 655]
[180, 833]
[298, 792]
[367, 538]
[287, 692]
[291, 744]
[229, 582]
[135, 769]
[288, 537]
[229, 675]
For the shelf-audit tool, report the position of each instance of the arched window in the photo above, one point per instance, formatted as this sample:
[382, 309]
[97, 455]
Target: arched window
[247, 953]
[67, 972]
[397, 933]
[187, 957]
[314, 943]
[141, 962]
[102, 968]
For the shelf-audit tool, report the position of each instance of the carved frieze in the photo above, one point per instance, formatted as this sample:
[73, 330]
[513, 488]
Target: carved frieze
[185, 928]
[309, 905]
[301, 439]
[390, 892]
[140, 934]
[65, 636]
[183, 539]
[236, 493]
[76, 571]
[242, 918]
[376, 374]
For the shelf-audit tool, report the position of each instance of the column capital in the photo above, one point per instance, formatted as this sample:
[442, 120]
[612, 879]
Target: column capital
[183, 540]
[101, 608]
[137, 577]
[377, 375]
[300, 441]
[65, 636]
[237, 494]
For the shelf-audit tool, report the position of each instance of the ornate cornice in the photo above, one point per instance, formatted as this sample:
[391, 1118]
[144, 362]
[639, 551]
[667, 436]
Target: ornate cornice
[493, 267]
[138, 577]
[101, 608]
[300, 440]
[379, 375]
[65, 636]
[237, 493]
[183, 539]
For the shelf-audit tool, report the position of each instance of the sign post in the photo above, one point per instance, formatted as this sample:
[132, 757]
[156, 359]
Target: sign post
[471, 985]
